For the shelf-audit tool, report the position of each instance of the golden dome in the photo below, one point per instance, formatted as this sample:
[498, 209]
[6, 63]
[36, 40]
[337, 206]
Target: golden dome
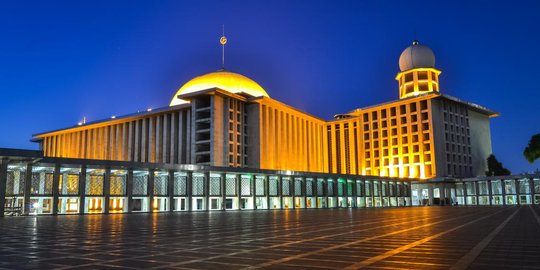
[225, 80]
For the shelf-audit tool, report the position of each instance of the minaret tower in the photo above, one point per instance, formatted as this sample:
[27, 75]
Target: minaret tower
[418, 74]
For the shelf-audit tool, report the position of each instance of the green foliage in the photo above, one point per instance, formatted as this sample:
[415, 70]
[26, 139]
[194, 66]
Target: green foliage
[532, 151]
[495, 168]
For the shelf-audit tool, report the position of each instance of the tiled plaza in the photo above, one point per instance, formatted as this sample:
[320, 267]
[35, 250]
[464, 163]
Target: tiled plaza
[383, 238]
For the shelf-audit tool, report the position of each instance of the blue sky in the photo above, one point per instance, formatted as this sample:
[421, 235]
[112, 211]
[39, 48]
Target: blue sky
[63, 60]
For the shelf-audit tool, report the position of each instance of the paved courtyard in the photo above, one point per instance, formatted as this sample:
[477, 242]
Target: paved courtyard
[391, 238]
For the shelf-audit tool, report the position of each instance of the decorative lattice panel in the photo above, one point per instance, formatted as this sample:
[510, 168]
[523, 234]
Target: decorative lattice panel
[49, 179]
[230, 186]
[10, 184]
[350, 188]
[376, 189]
[160, 184]
[94, 185]
[309, 187]
[398, 189]
[330, 188]
[246, 185]
[340, 187]
[118, 185]
[259, 186]
[197, 188]
[36, 184]
[69, 184]
[391, 190]
[320, 187]
[286, 188]
[384, 186]
[298, 187]
[273, 186]
[359, 189]
[140, 184]
[180, 182]
[367, 189]
[215, 186]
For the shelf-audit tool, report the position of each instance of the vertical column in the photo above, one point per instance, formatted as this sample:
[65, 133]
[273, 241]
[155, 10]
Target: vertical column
[253, 182]
[56, 178]
[239, 190]
[106, 190]
[170, 190]
[490, 192]
[280, 191]
[293, 191]
[207, 190]
[531, 190]
[304, 190]
[477, 191]
[3, 181]
[465, 193]
[27, 189]
[336, 195]
[516, 184]
[129, 190]
[430, 194]
[346, 192]
[442, 197]
[503, 189]
[223, 181]
[189, 184]
[267, 191]
[150, 189]
[316, 191]
[325, 192]
[82, 190]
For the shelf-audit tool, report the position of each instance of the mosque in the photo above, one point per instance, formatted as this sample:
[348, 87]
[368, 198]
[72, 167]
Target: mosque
[224, 144]
[226, 119]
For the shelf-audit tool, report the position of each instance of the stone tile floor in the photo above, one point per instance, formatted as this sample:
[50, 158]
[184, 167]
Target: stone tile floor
[379, 238]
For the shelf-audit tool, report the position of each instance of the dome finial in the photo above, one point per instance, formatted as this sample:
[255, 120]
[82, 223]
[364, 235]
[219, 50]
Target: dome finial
[223, 41]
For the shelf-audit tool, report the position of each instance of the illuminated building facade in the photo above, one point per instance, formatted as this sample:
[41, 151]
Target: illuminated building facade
[226, 119]
[223, 144]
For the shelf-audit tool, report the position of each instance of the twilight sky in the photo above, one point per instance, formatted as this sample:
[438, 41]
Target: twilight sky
[63, 60]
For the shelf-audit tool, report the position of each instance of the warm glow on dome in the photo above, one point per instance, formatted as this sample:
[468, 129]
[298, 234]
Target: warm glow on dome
[225, 80]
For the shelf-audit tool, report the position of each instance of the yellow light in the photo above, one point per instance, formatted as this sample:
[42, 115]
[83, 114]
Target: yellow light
[155, 204]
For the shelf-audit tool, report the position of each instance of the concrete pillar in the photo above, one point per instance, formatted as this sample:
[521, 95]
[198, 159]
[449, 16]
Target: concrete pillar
[280, 191]
[129, 190]
[150, 189]
[27, 189]
[253, 185]
[170, 190]
[503, 189]
[531, 189]
[3, 181]
[106, 190]
[223, 182]
[239, 190]
[293, 192]
[517, 185]
[207, 190]
[477, 191]
[189, 190]
[55, 191]
[304, 190]
[490, 192]
[267, 191]
[442, 194]
[465, 193]
[431, 194]
[82, 190]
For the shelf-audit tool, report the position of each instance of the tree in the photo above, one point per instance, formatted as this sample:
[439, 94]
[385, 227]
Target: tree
[495, 168]
[532, 151]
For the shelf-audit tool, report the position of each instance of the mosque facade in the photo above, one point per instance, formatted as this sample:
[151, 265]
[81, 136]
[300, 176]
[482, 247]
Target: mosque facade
[224, 144]
[226, 119]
